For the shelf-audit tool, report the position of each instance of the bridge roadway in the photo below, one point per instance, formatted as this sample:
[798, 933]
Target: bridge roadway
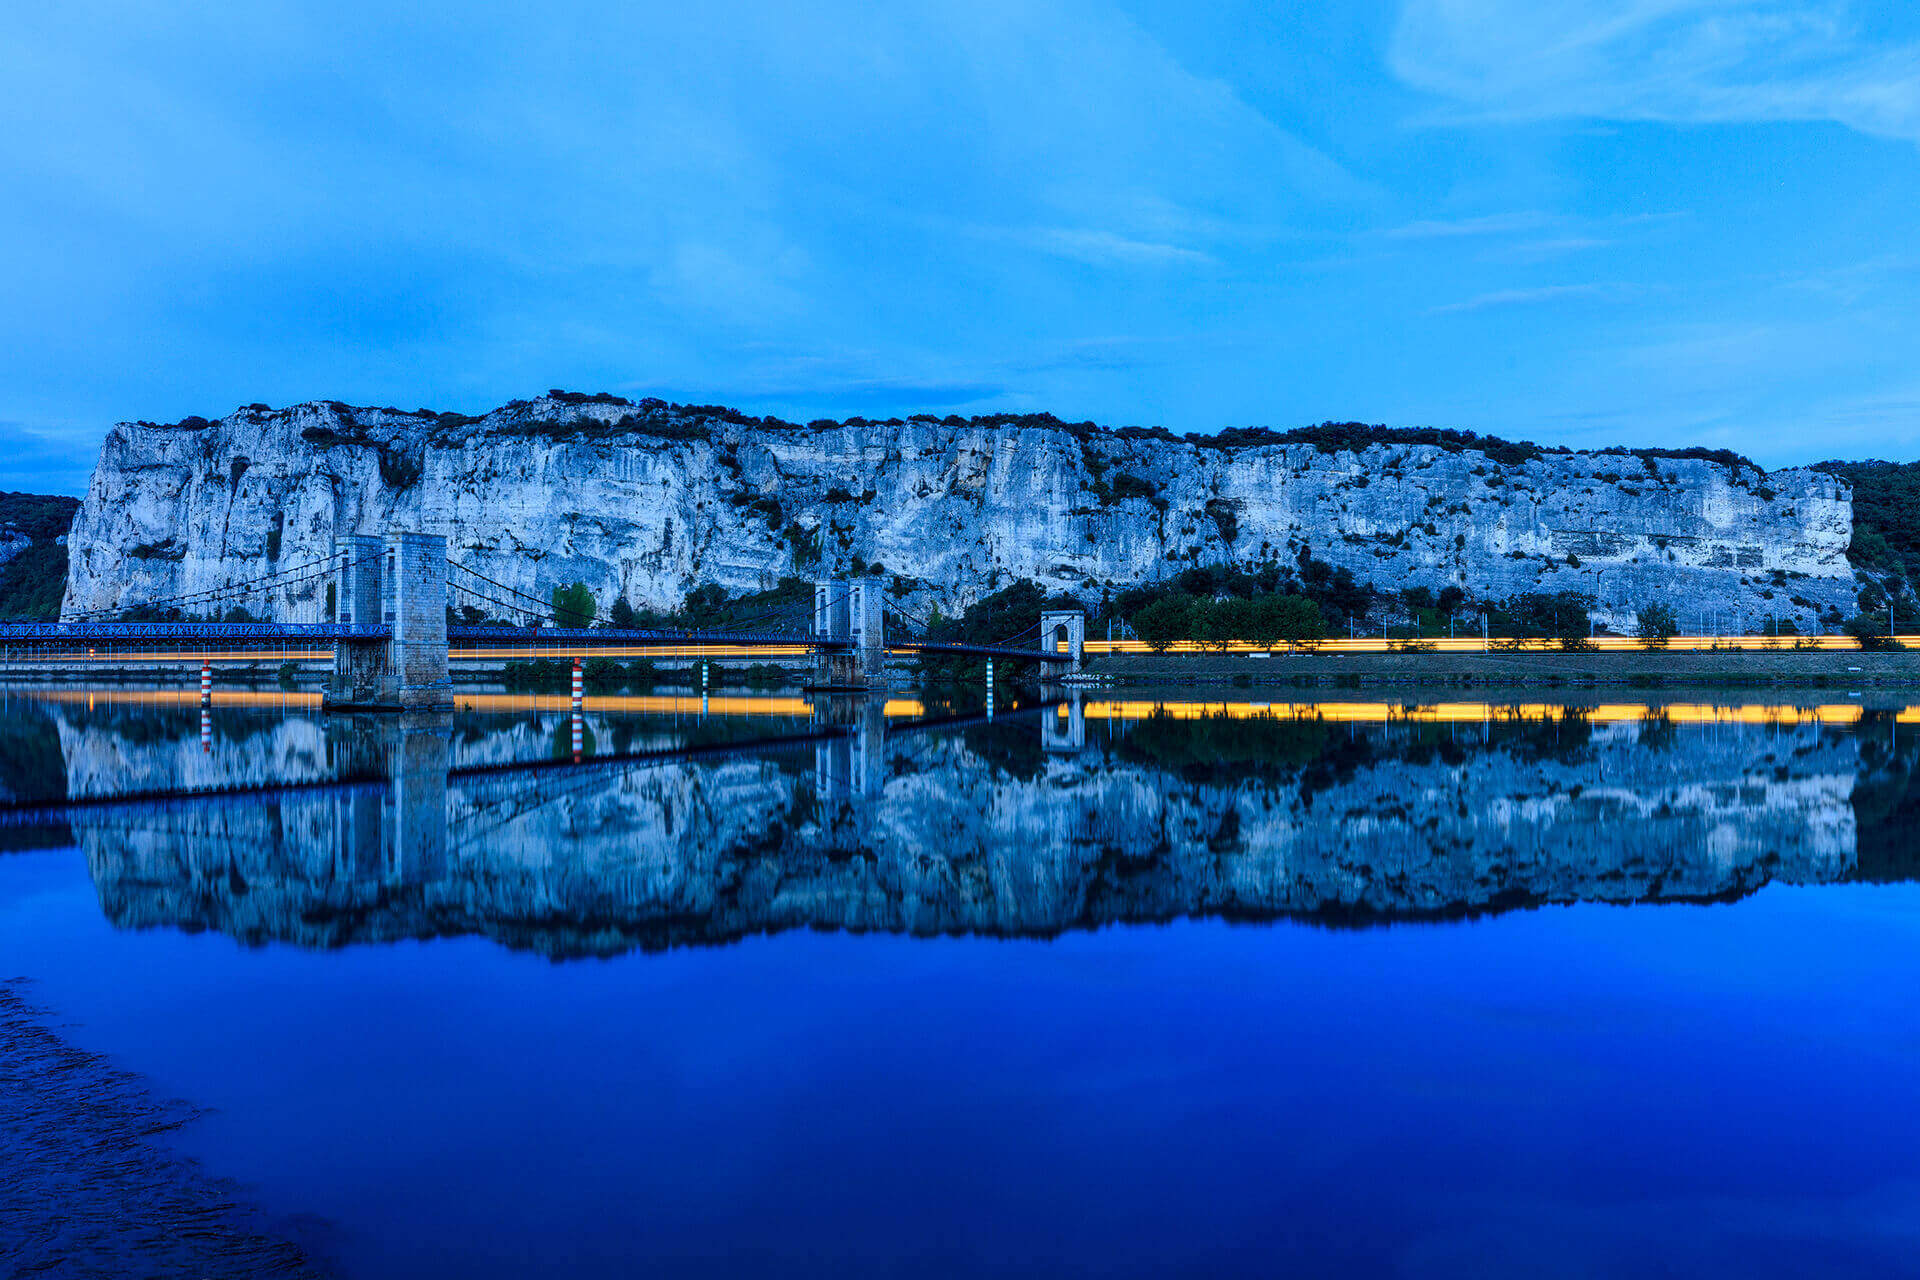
[315, 640]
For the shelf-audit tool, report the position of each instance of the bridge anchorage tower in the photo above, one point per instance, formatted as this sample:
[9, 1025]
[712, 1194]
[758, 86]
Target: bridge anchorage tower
[399, 583]
[850, 631]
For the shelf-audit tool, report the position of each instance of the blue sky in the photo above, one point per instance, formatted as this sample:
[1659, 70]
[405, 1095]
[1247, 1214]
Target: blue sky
[1589, 222]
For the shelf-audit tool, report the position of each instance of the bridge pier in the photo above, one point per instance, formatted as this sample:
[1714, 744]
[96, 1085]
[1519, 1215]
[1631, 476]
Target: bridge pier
[399, 582]
[829, 623]
[359, 666]
[867, 599]
[853, 615]
[416, 566]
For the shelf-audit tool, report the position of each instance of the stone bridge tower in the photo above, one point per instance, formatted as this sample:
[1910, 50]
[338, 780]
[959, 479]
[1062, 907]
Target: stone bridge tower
[853, 614]
[398, 582]
[1064, 631]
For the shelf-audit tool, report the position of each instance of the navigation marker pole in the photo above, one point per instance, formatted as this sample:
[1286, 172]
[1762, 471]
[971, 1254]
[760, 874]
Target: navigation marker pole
[579, 724]
[206, 683]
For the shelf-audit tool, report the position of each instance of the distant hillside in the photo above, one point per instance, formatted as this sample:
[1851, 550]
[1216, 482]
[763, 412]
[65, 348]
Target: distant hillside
[33, 575]
[1886, 515]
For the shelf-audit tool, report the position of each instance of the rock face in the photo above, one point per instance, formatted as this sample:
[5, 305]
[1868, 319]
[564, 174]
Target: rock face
[647, 501]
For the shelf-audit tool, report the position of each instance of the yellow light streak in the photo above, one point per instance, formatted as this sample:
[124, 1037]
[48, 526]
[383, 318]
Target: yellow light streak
[644, 704]
[1481, 712]
[1465, 644]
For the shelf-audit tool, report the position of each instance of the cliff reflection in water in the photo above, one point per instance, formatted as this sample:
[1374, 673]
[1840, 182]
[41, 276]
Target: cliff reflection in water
[1030, 825]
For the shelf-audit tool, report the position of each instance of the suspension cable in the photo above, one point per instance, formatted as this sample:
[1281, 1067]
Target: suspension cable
[505, 607]
[544, 604]
[251, 587]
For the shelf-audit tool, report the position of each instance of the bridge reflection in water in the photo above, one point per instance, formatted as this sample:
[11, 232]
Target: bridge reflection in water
[1073, 817]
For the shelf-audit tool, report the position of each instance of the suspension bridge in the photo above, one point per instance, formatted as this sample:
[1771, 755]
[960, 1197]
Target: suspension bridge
[393, 633]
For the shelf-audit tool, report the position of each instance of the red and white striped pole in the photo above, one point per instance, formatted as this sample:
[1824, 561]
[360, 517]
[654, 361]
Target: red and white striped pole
[206, 730]
[579, 724]
[206, 683]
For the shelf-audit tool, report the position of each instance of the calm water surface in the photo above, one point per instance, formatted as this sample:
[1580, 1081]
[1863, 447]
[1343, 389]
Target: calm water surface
[1108, 988]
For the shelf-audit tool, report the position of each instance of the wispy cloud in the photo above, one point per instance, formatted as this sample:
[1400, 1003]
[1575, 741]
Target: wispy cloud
[1525, 236]
[1554, 247]
[1610, 292]
[1680, 60]
[1104, 248]
[1488, 225]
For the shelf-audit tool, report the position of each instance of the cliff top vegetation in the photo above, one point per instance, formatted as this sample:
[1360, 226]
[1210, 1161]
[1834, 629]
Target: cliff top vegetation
[659, 418]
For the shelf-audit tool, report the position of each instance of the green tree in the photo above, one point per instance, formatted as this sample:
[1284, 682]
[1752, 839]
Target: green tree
[603, 675]
[1216, 622]
[621, 615]
[1297, 619]
[1655, 625]
[573, 606]
[1870, 629]
[1166, 620]
[1560, 615]
[1264, 627]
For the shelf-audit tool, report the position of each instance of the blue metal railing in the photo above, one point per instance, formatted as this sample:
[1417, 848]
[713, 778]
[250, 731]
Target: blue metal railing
[161, 632]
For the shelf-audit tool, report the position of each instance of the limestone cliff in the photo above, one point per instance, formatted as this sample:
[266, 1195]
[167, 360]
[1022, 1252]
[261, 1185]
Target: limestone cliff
[649, 500]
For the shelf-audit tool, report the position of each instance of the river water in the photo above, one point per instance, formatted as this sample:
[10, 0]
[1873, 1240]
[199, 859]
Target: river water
[1121, 986]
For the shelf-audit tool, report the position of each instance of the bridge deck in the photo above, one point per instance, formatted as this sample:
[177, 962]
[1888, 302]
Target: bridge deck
[75, 635]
